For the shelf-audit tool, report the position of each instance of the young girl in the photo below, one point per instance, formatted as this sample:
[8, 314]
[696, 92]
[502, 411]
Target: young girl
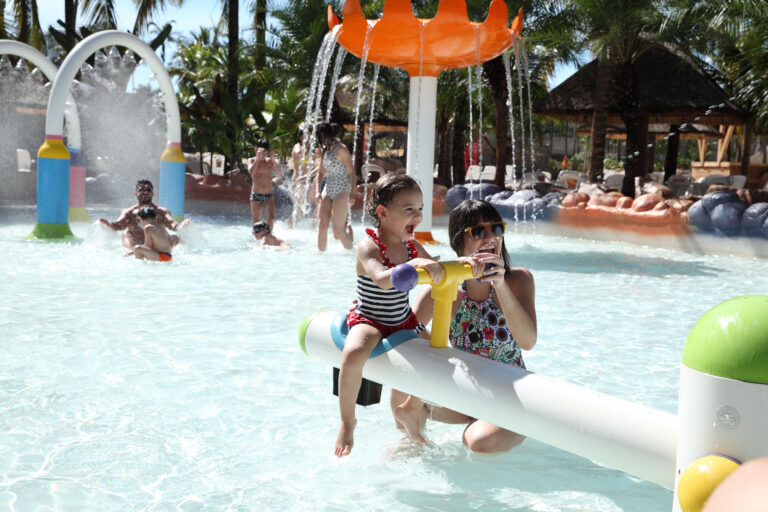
[395, 205]
[492, 317]
[338, 174]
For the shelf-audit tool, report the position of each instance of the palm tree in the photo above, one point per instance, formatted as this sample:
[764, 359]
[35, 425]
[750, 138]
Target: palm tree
[729, 38]
[260, 42]
[618, 32]
[25, 26]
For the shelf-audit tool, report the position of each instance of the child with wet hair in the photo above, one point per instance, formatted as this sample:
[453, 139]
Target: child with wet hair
[396, 208]
[262, 231]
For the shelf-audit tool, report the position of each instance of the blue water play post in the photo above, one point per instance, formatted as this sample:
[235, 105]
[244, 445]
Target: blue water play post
[52, 186]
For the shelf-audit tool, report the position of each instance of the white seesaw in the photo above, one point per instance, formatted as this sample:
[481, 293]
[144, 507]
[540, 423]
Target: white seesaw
[723, 399]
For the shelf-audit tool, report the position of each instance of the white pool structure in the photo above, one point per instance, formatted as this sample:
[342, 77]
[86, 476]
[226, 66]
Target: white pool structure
[141, 386]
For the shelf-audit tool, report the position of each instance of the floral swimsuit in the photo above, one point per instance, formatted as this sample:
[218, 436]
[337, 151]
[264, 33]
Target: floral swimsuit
[480, 328]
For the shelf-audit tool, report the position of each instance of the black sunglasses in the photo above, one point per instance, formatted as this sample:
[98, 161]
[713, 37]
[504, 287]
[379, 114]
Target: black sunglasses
[479, 231]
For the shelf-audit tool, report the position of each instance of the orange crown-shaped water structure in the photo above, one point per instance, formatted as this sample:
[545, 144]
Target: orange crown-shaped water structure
[426, 46]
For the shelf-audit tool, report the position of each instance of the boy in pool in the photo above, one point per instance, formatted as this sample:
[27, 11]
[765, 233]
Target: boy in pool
[262, 168]
[129, 221]
[157, 242]
[262, 232]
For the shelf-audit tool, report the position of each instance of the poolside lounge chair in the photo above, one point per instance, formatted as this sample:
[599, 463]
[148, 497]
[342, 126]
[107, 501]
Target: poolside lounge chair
[679, 184]
[25, 162]
[737, 181]
[700, 187]
[566, 178]
[614, 180]
[474, 173]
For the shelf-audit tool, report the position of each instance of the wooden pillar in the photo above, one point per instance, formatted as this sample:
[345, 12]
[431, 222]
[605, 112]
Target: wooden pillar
[673, 147]
[642, 137]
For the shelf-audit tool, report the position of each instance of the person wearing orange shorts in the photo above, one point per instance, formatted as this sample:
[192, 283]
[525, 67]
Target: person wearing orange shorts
[158, 243]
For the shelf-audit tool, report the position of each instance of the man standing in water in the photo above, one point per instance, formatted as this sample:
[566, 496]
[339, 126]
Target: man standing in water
[129, 217]
[262, 167]
[157, 242]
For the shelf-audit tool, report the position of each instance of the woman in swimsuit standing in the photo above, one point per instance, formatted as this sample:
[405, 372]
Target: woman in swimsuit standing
[492, 317]
[340, 179]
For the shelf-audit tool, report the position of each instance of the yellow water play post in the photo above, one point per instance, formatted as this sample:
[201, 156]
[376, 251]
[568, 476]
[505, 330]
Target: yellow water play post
[444, 293]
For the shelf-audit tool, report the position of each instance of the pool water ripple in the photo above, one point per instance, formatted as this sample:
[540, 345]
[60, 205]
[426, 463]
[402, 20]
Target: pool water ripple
[141, 386]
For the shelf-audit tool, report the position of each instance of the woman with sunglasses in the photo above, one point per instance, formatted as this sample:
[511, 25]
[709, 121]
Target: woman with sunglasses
[493, 317]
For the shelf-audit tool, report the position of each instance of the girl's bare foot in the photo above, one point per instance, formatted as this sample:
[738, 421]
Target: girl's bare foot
[409, 419]
[345, 439]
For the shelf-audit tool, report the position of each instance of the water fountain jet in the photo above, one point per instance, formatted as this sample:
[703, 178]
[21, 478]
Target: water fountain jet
[423, 48]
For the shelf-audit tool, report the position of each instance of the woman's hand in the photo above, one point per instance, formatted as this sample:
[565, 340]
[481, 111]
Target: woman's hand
[433, 268]
[493, 268]
[476, 264]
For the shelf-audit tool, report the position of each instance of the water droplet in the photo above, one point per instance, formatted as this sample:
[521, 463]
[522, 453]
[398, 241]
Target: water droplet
[722, 105]
[707, 112]
[697, 118]
[650, 146]
[636, 153]
[684, 126]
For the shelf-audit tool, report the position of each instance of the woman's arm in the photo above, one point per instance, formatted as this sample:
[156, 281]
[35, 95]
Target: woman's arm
[517, 299]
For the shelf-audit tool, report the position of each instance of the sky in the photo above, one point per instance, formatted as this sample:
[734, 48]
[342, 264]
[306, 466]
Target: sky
[193, 14]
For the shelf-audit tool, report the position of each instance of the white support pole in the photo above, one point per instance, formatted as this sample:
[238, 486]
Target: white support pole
[616, 433]
[420, 160]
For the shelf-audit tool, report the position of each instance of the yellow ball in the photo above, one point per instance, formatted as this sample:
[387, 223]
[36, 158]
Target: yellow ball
[699, 480]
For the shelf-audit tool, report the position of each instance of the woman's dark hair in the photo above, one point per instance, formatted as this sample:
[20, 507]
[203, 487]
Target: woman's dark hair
[325, 135]
[384, 191]
[262, 143]
[469, 213]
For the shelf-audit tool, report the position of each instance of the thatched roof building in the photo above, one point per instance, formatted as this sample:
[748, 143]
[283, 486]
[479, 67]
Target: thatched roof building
[671, 88]
[688, 131]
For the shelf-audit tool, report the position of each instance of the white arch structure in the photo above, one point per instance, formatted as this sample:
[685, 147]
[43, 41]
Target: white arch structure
[173, 163]
[86, 48]
[42, 63]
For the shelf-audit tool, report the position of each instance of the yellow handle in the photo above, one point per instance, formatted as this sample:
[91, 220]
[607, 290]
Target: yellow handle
[444, 293]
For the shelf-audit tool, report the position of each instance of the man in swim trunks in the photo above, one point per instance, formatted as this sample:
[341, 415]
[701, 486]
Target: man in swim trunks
[262, 232]
[158, 243]
[262, 168]
[129, 219]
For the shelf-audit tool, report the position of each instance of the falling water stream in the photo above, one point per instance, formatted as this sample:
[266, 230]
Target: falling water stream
[370, 140]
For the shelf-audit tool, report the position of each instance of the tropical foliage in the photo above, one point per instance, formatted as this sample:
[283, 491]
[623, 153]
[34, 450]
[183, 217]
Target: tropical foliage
[234, 88]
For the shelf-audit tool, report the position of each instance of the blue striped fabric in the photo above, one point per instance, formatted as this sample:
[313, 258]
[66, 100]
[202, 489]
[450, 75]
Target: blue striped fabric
[389, 307]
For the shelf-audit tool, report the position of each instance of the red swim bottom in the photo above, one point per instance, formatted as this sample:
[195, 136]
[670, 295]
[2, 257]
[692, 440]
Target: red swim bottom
[163, 256]
[354, 318]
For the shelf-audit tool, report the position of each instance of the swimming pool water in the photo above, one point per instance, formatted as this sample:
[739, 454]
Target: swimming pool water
[128, 385]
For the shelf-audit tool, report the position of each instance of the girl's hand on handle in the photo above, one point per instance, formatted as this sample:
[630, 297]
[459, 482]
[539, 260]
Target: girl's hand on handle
[477, 266]
[493, 268]
[433, 268]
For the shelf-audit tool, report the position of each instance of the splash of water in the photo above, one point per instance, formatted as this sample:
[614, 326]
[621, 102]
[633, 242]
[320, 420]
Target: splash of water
[299, 206]
[361, 83]
[522, 114]
[340, 56]
[324, 65]
[530, 110]
[479, 70]
[471, 125]
[510, 111]
[370, 140]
